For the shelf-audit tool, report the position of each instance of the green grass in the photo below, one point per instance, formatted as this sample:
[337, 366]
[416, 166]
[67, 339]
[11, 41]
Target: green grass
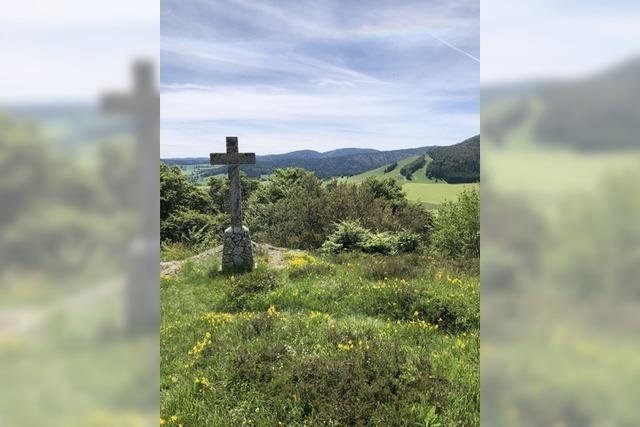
[420, 189]
[175, 252]
[77, 369]
[418, 176]
[345, 340]
[551, 171]
[433, 194]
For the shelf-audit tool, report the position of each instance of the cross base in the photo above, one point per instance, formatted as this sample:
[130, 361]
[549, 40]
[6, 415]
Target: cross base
[237, 254]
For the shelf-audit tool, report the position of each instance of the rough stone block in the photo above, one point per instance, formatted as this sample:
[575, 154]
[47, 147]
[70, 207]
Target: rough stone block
[237, 254]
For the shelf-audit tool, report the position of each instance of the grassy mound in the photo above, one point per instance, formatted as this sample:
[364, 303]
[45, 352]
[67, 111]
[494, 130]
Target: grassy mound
[344, 340]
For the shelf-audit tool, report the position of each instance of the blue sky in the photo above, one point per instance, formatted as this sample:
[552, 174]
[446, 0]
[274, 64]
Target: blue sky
[289, 75]
[73, 50]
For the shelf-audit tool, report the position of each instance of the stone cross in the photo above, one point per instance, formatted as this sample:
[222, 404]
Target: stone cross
[233, 159]
[142, 103]
[237, 254]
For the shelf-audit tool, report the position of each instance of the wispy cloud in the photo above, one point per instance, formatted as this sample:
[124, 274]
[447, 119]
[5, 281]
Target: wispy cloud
[320, 75]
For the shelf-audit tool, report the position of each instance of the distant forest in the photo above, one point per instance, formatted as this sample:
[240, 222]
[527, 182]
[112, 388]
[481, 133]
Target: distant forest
[409, 169]
[353, 163]
[459, 163]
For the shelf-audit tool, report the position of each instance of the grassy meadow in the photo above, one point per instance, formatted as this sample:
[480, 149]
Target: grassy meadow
[419, 176]
[349, 339]
[434, 194]
[420, 189]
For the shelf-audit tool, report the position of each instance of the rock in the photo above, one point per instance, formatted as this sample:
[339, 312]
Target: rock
[237, 253]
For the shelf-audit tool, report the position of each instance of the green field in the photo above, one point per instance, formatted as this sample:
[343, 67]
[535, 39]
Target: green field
[342, 340]
[551, 171]
[432, 194]
[419, 176]
[420, 189]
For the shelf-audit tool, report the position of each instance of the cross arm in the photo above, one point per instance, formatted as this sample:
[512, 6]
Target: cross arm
[232, 158]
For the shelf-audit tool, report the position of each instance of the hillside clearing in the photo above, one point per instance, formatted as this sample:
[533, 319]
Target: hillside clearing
[419, 176]
[433, 194]
[344, 340]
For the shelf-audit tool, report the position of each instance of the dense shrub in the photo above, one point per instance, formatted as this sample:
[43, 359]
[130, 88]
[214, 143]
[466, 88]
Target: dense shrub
[386, 188]
[348, 236]
[242, 287]
[351, 236]
[292, 208]
[193, 229]
[178, 194]
[406, 241]
[457, 226]
[293, 216]
[380, 243]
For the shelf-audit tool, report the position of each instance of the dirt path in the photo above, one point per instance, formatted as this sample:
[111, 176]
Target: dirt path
[273, 255]
[23, 321]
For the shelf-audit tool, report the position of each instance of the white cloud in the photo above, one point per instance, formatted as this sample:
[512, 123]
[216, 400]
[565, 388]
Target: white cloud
[535, 39]
[318, 75]
[73, 49]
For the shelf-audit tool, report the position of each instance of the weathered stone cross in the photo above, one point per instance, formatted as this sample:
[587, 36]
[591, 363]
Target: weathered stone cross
[237, 254]
[142, 103]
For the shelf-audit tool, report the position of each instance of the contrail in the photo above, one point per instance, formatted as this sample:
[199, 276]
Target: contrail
[446, 43]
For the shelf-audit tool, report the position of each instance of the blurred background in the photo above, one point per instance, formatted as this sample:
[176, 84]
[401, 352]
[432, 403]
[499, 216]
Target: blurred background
[79, 213]
[560, 212]
[560, 209]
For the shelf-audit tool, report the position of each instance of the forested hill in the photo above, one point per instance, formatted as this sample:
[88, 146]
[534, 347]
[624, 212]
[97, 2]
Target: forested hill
[588, 114]
[457, 163]
[343, 162]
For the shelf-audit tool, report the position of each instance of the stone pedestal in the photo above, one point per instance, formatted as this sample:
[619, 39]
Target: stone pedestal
[237, 254]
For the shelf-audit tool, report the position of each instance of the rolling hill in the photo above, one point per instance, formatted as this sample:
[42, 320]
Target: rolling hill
[456, 164]
[336, 163]
[595, 113]
[419, 176]
[453, 164]
[452, 161]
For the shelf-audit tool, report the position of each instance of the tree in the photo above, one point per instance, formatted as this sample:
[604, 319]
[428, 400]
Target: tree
[457, 226]
[177, 193]
[409, 169]
[298, 219]
[386, 188]
[457, 163]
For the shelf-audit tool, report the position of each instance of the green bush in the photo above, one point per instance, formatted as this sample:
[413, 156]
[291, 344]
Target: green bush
[348, 236]
[457, 226]
[294, 209]
[406, 241]
[193, 229]
[290, 210]
[242, 287]
[177, 193]
[380, 243]
[351, 236]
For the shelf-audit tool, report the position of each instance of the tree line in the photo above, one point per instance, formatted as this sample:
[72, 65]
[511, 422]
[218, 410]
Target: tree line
[292, 208]
[459, 163]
